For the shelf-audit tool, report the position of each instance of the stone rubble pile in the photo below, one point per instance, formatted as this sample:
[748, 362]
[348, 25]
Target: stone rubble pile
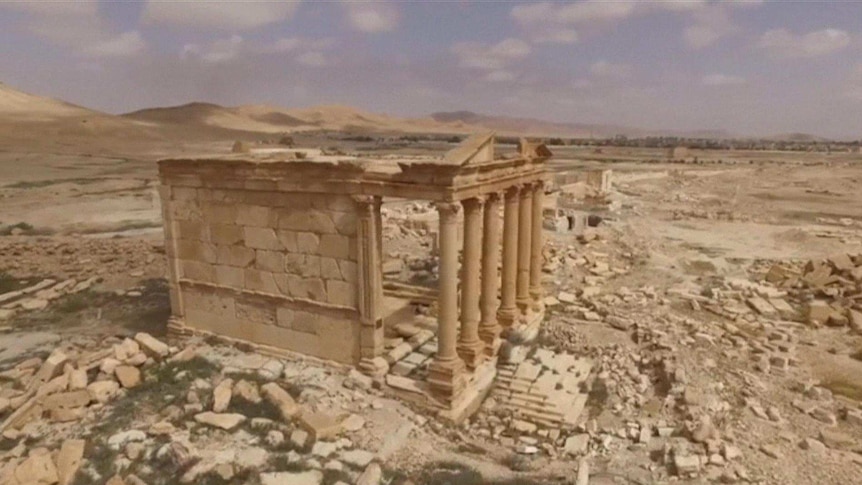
[38, 296]
[830, 290]
[242, 420]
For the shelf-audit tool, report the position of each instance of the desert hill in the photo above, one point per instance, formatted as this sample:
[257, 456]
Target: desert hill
[33, 122]
[273, 119]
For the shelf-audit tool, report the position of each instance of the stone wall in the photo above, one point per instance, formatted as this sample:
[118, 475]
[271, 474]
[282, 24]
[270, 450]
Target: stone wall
[276, 268]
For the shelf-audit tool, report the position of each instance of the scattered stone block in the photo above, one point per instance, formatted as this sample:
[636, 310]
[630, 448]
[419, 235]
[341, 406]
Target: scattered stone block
[69, 460]
[103, 391]
[309, 477]
[278, 397]
[818, 312]
[38, 468]
[151, 346]
[226, 421]
[577, 444]
[128, 376]
[221, 395]
[320, 425]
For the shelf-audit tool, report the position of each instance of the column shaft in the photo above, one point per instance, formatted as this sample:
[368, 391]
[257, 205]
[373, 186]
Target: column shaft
[489, 331]
[536, 246]
[446, 372]
[470, 347]
[508, 311]
[525, 229]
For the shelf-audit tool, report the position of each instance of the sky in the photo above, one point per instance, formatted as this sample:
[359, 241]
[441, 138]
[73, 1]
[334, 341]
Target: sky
[749, 67]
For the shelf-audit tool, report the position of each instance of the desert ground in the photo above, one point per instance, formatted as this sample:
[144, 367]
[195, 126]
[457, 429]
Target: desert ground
[691, 381]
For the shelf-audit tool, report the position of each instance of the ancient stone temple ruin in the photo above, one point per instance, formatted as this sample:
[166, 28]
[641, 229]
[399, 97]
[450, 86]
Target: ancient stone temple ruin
[285, 252]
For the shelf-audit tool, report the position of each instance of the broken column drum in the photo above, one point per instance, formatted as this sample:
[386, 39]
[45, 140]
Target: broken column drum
[286, 252]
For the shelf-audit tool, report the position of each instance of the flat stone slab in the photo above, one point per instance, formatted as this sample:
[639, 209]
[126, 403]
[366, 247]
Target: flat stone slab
[545, 389]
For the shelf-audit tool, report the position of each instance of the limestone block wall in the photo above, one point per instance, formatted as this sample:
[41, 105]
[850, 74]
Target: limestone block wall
[276, 268]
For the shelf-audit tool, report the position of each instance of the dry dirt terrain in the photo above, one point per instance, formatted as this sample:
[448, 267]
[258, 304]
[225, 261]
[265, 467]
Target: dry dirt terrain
[690, 380]
[717, 308]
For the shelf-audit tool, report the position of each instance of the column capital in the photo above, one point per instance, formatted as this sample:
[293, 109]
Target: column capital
[513, 191]
[527, 189]
[473, 202]
[447, 208]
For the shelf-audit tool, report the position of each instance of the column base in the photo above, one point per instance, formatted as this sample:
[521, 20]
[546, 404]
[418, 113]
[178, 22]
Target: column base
[507, 317]
[490, 335]
[376, 367]
[538, 303]
[524, 305]
[471, 353]
[447, 379]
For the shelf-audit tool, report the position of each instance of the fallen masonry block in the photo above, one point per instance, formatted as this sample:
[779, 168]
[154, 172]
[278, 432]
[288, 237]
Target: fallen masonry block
[152, 346]
[762, 306]
[225, 421]
[319, 425]
[818, 312]
[842, 262]
[278, 397]
[69, 460]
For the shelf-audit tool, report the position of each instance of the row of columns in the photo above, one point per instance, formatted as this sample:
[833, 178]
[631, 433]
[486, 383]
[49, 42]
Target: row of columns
[481, 319]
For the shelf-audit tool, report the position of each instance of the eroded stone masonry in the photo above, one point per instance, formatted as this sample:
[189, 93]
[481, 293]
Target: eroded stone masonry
[284, 250]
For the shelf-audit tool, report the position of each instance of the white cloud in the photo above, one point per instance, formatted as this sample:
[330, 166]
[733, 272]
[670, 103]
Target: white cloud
[293, 44]
[476, 55]
[124, 45]
[559, 22]
[559, 35]
[782, 43]
[710, 25]
[55, 8]
[78, 26]
[313, 59]
[220, 15]
[308, 52]
[371, 17]
[607, 69]
[500, 76]
[216, 52]
[722, 80]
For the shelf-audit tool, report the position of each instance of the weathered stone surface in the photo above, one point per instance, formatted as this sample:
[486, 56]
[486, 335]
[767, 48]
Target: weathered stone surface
[371, 476]
[277, 396]
[52, 367]
[69, 459]
[103, 391]
[221, 395]
[152, 346]
[78, 379]
[310, 477]
[577, 444]
[320, 425]
[836, 439]
[226, 421]
[38, 468]
[128, 376]
[66, 400]
[357, 458]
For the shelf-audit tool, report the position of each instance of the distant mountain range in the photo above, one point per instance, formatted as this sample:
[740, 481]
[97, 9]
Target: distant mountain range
[52, 122]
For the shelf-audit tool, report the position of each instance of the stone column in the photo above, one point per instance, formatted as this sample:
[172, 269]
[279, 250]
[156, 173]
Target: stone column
[489, 330]
[508, 312]
[470, 347]
[446, 373]
[525, 229]
[370, 284]
[536, 246]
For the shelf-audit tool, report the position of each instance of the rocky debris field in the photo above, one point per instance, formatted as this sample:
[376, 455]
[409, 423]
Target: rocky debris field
[673, 351]
[141, 411]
